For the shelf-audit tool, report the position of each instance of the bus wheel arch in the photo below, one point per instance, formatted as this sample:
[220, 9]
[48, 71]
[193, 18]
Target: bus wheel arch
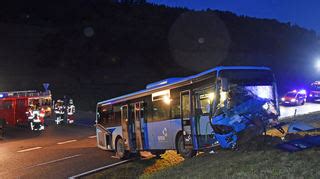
[120, 148]
[185, 153]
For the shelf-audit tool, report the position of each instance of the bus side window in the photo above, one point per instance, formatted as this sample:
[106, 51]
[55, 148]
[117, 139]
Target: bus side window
[105, 116]
[175, 106]
[117, 115]
[161, 111]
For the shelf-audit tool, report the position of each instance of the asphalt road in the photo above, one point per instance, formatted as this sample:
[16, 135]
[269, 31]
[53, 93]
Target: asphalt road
[58, 152]
[287, 111]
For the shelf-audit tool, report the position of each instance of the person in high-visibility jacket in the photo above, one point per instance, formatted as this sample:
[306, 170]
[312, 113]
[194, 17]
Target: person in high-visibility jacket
[59, 111]
[42, 115]
[33, 115]
[71, 110]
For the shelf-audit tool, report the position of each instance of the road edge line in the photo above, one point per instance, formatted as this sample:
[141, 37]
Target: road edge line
[54, 161]
[99, 169]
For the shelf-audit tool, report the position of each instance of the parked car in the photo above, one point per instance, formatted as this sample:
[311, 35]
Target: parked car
[294, 97]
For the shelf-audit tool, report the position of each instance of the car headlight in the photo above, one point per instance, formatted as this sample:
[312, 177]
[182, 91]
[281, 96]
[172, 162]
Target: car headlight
[310, 95]
[293, 100]
[282, 99]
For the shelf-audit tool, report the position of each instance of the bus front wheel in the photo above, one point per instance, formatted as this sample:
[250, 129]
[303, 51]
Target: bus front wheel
[120, 149]
[184, 152]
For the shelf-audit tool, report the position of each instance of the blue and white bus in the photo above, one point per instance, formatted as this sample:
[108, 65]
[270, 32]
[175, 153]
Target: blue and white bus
[175, 113]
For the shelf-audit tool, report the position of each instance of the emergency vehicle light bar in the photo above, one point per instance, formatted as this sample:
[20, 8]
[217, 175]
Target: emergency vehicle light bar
[28, 93]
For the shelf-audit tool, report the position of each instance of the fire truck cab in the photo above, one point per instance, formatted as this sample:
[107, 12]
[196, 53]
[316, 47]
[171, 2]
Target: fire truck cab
[314, 91]
[14, 105]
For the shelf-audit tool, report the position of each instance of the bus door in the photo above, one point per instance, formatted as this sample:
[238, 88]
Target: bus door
[203, 101]
[125, 127]
[185, 102]
[138, 118]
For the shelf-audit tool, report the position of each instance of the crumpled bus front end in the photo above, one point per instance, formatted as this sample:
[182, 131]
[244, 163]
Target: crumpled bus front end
[245, 110]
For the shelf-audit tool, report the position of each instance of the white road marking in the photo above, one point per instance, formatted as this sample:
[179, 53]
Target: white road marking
[91, 137]
[65, 142]
[53, 161]
[98, 169]
[30, 149]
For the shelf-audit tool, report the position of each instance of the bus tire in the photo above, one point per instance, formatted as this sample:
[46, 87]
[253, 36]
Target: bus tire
[185, 153]
[120, 149]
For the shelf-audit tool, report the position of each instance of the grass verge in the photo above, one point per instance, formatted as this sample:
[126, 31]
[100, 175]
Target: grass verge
[265, 162]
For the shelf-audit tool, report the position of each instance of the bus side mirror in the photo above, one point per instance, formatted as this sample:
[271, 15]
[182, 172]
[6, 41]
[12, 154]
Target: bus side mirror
[224, 84]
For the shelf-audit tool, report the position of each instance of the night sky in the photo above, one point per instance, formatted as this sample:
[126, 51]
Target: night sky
[305, 13]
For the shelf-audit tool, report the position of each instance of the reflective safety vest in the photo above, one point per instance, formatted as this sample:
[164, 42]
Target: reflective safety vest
[71, 109]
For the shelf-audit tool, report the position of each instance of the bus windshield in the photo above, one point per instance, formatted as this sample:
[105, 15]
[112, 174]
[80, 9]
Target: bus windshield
[246, 86]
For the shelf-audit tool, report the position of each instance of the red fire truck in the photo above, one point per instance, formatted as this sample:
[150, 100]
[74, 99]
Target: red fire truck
[14, 105]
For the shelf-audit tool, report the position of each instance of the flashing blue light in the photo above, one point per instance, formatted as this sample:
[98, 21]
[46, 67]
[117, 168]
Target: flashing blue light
[303, 91]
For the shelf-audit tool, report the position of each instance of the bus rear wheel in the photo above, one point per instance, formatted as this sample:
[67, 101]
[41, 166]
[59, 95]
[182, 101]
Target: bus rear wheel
[185, 153]
[120, 149]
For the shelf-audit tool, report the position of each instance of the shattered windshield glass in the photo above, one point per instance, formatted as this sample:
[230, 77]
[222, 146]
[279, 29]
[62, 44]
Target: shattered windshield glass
[250, 91]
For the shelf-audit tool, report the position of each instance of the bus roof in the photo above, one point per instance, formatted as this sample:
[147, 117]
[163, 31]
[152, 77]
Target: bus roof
[156, 86]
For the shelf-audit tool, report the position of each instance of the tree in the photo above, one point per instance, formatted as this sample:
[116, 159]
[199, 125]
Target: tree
[130, 2]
